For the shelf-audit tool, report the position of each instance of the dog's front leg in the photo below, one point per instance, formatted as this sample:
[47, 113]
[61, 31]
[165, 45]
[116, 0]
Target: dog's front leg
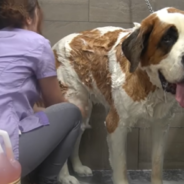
[159, 135]
[117, 138]
[80, 169]
[65, 177]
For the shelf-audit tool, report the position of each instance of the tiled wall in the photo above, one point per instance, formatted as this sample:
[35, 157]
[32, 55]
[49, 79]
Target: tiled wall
[67, 16]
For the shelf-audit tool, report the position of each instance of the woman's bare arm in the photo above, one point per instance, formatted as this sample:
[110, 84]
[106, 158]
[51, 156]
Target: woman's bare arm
[51, 94]
[50, 91]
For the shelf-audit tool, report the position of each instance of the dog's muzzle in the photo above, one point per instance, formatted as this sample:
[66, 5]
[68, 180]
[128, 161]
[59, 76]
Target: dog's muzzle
[168, 87]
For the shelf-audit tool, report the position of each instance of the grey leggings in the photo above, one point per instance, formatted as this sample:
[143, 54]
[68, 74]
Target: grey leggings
[50, 146]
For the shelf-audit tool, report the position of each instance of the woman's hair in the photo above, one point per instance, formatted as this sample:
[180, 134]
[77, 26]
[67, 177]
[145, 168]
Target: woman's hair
[13, 13]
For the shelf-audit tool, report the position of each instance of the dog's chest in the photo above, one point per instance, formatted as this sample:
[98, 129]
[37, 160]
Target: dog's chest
[134, 95]
[154, 107]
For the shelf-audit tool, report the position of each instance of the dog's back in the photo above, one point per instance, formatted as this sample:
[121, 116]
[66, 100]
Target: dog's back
[83, 63]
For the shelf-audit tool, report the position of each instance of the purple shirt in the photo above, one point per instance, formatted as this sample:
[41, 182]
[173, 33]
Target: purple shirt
[25, 57]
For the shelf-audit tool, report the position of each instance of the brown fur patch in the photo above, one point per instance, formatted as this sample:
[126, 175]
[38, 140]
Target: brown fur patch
[153, 26]
[174, 10]
[137, 84]
[143, 45]
[112, 120]
[89, 57]
[57, 63]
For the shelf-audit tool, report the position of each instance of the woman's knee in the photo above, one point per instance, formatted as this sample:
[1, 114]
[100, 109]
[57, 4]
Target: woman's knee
[66, 112]
[73, 109]
[73, 114]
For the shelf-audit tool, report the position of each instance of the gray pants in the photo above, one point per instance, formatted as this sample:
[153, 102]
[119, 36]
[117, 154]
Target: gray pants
[49, 147]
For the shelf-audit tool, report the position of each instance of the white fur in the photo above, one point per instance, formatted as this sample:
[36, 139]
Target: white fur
[107, 29]
[156, 110]
[65, 177]
[117, 154]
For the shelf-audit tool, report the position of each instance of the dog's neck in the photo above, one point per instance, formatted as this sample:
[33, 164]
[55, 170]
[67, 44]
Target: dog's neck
[153, 76]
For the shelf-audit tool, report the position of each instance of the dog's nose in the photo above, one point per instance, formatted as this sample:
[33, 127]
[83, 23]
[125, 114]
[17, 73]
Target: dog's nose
[182, 60]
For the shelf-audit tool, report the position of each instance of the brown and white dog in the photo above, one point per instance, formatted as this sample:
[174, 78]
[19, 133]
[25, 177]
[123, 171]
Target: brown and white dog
[135, 73]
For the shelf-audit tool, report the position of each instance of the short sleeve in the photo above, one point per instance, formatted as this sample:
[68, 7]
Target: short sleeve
[46, 65]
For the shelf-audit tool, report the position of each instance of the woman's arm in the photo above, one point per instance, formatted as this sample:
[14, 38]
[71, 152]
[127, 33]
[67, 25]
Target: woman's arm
[49, 96]
[50, 91]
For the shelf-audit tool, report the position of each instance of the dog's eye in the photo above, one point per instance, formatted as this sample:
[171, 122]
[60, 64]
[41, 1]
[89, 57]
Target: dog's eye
[169, 38]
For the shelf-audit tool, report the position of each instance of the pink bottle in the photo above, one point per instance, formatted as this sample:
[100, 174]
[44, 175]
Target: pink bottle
[10, 169]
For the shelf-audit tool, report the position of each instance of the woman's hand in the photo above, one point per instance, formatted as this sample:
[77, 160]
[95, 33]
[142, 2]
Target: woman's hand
[38, 109]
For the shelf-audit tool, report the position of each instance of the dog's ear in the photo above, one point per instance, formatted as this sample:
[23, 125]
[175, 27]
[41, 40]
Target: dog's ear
[134, 46]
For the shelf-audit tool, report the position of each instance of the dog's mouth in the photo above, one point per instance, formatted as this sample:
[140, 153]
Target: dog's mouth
[176, 89]
[167, 86]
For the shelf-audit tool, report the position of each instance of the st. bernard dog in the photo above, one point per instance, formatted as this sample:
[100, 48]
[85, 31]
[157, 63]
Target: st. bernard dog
[135, 73]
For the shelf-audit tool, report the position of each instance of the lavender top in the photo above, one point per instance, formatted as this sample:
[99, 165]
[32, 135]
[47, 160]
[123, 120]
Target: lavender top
[25, 57]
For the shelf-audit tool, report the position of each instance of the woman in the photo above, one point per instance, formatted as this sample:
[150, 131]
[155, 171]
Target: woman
[27, 70]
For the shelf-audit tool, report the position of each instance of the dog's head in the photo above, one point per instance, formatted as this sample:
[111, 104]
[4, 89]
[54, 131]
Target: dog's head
[157, 46]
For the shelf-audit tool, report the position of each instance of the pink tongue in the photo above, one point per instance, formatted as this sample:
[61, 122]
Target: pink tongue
[180, 94]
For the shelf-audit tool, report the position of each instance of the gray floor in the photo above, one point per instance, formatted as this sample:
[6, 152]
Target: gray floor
[135, 177]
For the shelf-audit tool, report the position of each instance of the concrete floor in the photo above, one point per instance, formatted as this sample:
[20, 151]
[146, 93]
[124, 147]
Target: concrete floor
[135, 177]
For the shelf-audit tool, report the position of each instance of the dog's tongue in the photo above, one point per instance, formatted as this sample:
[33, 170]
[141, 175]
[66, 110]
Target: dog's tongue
[180, 94]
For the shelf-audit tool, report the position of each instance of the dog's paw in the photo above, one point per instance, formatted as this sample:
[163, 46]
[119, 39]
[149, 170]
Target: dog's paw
[68, 180]
[83, 171]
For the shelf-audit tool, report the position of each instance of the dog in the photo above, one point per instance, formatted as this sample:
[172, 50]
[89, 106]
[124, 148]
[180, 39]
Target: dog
[137, 74]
